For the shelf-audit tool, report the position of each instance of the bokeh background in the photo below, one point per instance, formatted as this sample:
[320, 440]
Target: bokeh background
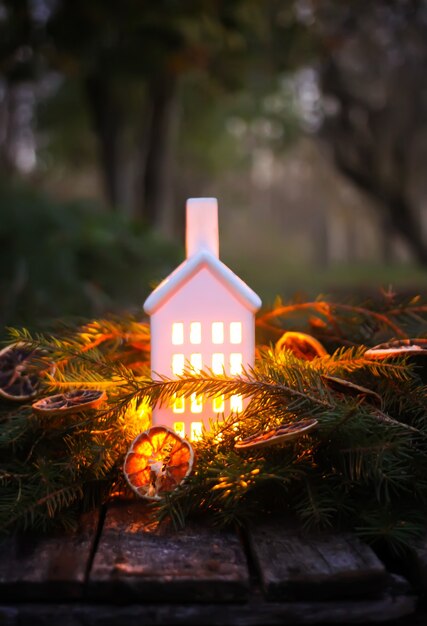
[307, 119]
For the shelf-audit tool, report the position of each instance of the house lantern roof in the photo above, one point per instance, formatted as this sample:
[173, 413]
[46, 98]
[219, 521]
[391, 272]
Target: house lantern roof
[202, 251]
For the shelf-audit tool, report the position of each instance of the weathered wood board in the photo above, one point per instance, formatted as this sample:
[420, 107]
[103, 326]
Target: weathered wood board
[139, 562]
[314, 566]
[135, 572]
[49, 567]
[388, 607]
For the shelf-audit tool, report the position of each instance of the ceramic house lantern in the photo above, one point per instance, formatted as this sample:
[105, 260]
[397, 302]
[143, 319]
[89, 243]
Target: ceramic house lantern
[202, 317]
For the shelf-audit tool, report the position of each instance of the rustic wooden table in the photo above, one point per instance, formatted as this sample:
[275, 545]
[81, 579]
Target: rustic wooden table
[119, 570]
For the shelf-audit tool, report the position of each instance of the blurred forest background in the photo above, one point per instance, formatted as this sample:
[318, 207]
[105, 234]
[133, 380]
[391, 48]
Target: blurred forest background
[307, 119]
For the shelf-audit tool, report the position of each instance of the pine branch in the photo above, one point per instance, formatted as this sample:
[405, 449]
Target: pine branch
[348, 360]
[360, 458]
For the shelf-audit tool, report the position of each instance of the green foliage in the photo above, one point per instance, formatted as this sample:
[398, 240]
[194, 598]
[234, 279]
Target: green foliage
[72, 259]
[53, 467]
[363, 467]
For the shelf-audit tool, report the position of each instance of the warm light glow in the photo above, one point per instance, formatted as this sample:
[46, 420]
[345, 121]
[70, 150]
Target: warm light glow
[218, 404]
[179, 428]
[139, 415]
[220, 435]
[218, 363]
[236, 403]
[236, 332]
[235, 363]
[196, 431]
[178, 404]
[196, 362]
[195, 332]
[217, 332]
[178, 333]
[178, 361]
[196, 403]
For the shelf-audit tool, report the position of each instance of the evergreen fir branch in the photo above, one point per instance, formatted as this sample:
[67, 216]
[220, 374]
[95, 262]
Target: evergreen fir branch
[348, 324]
[35, 511]
[327, 310]
[316, 506]
[406, 400]
[80, 346]
[163, 390]
[348, 360]
[360, 459]
[398, 530]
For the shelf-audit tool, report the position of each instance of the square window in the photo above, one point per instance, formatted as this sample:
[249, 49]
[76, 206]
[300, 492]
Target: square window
[179, 428]
[196, 431]
[218, 363]
[178, 405]
[218, 404]
[236, 332]
[178, 364]
[217, 332]
[236, 403]
[195, 332]
[177, 334]
[196, 403]
[196, 362]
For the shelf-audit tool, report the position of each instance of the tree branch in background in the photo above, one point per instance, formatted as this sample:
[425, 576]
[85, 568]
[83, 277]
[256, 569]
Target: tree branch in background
[374, 55]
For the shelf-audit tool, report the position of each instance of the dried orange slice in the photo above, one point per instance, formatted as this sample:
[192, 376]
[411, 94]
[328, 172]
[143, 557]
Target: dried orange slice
[302, 345]
[19, 380]
[157, 462]
[74, 401]
[399, 347]
[283, 433]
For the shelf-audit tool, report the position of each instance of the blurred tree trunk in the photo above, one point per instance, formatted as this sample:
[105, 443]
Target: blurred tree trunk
[373, 74]
[361, 164]
[107, 123]
[8, 105]
[155, 182]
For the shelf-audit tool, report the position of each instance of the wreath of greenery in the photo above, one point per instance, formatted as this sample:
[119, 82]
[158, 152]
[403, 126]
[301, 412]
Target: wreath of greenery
[364, 467]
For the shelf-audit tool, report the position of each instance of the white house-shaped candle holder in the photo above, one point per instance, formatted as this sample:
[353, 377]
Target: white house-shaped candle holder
[202, 317]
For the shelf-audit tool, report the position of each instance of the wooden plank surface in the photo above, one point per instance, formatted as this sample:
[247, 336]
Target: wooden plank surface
[322, 565]
[394, 604]
[142, 562]
[51, 567]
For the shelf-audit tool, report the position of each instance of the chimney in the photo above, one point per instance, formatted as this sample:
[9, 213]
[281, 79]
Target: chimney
[202, 226]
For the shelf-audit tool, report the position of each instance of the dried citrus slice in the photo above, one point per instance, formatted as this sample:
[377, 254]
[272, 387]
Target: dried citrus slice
[19, 380]
[157, 462]
[302, 345]
[74, 401]
[399, 347]
[282, 434]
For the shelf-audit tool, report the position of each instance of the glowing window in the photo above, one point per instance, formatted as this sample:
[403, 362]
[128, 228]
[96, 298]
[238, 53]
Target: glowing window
[236, 332]
[179, 428]
[177, 334]
[196, 362]
[236, 403]
[195, 332]
[178, 361]
[218, 363]
[218, 404]
[235, 363]
[218, 332]
[196, 403]
[196, 431]
[178, 405]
